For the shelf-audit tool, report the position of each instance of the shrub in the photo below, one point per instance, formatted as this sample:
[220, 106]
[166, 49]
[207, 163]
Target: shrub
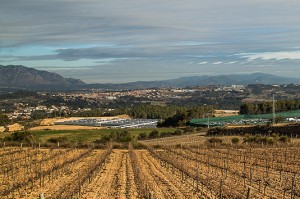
[124, 137]
[157, 146]
[58, 139]
[258, 139]
[215, 140]
[274, 135]
[103, 139]
[271, 141]
[143, 136]
[284, 139]
[165, 134]
[189, 129]
[138, 145]
[178, 132]
[235, 140]
[154, 134]
[22, 136]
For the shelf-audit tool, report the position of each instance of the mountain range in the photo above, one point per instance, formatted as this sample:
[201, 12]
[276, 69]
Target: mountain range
[13, 76]
[18, 76]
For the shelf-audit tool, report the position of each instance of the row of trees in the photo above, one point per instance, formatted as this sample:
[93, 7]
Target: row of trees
[267, 106]
[147, 111]
[19, 95]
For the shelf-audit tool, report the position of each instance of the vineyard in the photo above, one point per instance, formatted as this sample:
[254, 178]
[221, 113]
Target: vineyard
[185, 171]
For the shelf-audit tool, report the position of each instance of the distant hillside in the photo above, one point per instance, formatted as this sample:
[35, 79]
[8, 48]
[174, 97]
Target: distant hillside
[255, 78]
[22, 77]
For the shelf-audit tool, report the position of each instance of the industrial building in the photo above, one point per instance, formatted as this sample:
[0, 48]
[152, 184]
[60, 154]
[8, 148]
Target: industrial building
[113, 123]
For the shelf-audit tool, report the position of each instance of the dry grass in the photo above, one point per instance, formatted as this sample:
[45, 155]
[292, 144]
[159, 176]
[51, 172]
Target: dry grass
[64, 127]
[224, 113]
[50, 121]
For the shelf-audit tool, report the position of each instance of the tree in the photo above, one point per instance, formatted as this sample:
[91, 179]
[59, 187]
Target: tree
[23, 136]
[4, 120]
[154, 134]
[143, 136]
[39, 114]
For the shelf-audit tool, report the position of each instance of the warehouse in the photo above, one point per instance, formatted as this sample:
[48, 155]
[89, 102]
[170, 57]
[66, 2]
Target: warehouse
[113, 123]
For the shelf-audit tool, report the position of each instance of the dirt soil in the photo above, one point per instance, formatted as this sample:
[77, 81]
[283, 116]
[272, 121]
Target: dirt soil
[2, 129]
[50, 121]
[64, 127]
[15, 127]
[224, 113]
[116, 179]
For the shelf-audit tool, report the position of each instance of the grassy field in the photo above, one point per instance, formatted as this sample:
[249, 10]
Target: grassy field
[89, 136]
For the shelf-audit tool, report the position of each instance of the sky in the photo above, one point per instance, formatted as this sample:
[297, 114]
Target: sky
[117, 41]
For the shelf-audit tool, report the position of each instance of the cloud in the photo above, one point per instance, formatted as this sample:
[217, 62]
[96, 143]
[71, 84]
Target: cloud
[204, 62]
[171, 33]
[281, 55]
[232, 62]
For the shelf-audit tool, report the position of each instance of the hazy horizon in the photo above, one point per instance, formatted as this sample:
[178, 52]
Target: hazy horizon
[118, 42]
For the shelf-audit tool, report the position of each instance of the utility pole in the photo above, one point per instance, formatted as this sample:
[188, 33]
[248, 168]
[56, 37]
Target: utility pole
[273, 109]
[208, 114]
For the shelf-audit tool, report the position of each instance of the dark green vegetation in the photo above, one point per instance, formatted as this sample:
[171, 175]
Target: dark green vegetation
[4, 120]
[156, 133]
[74, 103]
[258, 139]
[19, 94]
[19, 137]
[292, 130]
[235, 140]
[147, 111]
[215, 140]
[266, 107]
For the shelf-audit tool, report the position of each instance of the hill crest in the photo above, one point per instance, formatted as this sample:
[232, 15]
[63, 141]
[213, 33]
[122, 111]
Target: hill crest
[24, 77]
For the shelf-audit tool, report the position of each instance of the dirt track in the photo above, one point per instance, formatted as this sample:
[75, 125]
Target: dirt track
[168, 185]
[115, 180]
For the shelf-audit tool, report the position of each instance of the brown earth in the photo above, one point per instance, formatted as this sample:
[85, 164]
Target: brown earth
[15, 127]
[116, 179]
[224, 113]
[64, 127]
[50, 121]
[2, 128]
[270, 172]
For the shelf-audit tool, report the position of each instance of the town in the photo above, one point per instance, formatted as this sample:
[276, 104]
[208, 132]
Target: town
[32, 104]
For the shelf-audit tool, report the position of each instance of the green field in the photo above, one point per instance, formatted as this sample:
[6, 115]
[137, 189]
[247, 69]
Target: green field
[88, 136]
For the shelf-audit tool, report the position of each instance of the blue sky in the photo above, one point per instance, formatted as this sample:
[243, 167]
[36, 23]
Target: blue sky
[123, 41]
